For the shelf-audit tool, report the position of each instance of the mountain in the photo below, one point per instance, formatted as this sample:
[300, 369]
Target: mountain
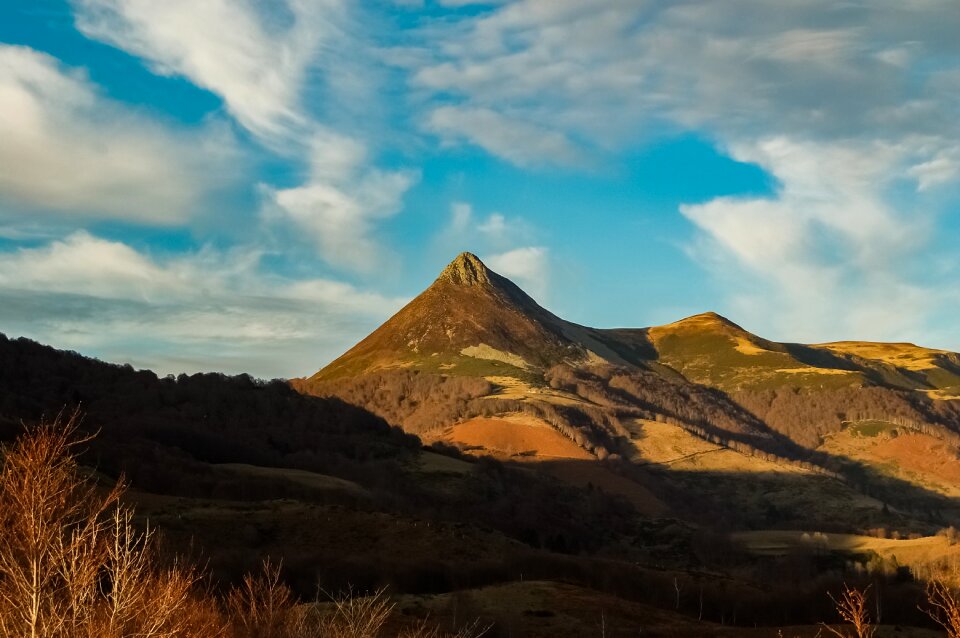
[904, 365]
[712, 350]
[473, 321]
[468, 313]
[475, 362]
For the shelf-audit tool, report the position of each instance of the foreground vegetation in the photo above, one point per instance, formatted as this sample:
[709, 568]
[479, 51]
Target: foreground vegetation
[73, 564]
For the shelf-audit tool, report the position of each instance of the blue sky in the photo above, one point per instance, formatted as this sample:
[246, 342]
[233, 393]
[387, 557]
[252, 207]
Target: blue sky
[246, 185]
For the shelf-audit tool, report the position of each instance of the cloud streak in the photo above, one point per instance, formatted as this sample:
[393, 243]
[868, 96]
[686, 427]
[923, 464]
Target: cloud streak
[339, 204]
[257, 62]
[523, 143]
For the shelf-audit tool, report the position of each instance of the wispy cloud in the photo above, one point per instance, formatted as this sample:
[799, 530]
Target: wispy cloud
[825, 253]
[254, 57]
[338, 206]
[280, 71]
[523, 143]
[492, 232]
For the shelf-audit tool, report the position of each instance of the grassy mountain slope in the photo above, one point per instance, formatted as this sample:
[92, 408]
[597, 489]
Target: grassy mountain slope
[474, 322]
[714, 351]
[904, 364]
[473, 358]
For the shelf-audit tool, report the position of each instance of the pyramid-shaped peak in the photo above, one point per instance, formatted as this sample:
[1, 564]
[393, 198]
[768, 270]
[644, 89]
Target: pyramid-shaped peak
[466, 270]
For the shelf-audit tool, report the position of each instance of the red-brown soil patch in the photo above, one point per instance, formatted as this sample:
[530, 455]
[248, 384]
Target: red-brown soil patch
[515, 435]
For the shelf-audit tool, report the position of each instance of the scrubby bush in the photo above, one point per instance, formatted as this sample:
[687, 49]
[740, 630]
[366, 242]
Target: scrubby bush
[71, 561]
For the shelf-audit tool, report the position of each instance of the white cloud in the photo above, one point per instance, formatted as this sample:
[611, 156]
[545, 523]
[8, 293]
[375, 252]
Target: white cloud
[257, 58]
[207, 310]
[66, 149]
[523, 143]
[942, 168]
[495, 226]
[528, 267]
[607, 70]
[461, 216]
[85, 265]
[494, 232]
[292, 72]
[338, 206]
[826, 252]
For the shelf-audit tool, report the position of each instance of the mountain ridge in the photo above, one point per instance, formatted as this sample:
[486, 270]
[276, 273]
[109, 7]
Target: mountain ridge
[473, 321]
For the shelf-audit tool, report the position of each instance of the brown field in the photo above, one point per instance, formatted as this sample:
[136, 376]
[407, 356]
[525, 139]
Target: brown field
[924, 455]
[548, 609]
[524, 438]
[582, 474]
[433, 463]
[301, 477]
[514, 435]
[321, 540]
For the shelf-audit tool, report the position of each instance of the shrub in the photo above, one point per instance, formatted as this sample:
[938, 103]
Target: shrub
[71, 562]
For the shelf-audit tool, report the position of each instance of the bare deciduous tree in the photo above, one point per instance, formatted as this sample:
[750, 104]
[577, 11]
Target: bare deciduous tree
[71, 562]
[852, 606]
[944, 607]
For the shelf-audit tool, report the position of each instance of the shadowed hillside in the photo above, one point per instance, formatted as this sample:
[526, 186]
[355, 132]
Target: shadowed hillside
[189, 442]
